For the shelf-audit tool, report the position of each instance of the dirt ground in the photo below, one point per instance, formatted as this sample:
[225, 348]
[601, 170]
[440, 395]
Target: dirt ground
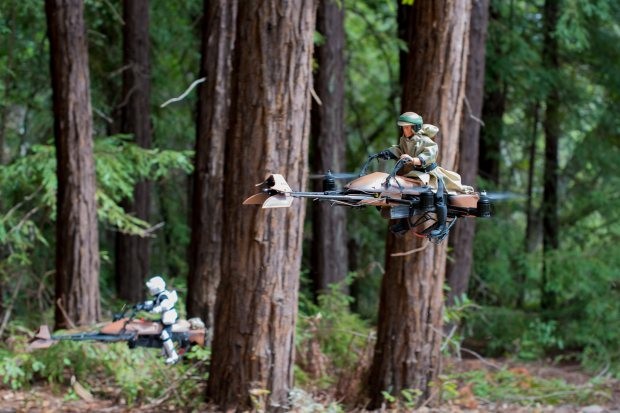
[45, 399]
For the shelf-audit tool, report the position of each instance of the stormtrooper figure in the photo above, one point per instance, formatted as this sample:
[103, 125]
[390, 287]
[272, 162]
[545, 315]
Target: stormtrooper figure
[163, 302]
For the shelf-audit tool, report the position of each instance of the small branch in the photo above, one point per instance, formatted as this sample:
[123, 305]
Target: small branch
[449, 338]
[121, 70]
[41, 290]
[482, 359]
[127, 97]
[368, 337]
[24, 219]
[402, 254]
[103, 115]
[26, 199]
[471, 114]
[115, 13]
[9, 309]
[316, 97]
[64, 313]
[189, 89]
[154, 228]
[172, 387]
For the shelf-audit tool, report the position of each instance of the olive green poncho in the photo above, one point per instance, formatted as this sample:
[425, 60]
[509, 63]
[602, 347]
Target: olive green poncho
[420, 145]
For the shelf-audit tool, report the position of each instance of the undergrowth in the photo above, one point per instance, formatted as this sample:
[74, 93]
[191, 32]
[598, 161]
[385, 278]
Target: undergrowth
[334, 350]
[334, 345]
[109, 371]
[519, 386]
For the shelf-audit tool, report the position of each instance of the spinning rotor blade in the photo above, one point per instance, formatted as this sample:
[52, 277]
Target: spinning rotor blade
[335, 175]
[504, 196]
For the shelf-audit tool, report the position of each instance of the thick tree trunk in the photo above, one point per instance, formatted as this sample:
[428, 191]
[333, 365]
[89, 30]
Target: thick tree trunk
[329, 226]
[132, 252]
[551, 126]
[407, 352]
[256, 307]
[458, 269]
[218, 38]
[77, 248]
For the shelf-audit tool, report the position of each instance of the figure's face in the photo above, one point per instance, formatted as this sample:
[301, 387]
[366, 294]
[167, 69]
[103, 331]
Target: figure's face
[407, 131]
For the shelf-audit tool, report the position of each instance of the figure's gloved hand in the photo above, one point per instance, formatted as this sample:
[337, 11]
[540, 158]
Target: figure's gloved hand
[138, 307]
[386, 154]
[406, 158]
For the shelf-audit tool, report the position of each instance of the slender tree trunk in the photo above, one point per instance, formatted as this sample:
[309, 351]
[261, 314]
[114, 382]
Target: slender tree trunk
[493, 109]
[256, 307]
[462, 236]
[9, 40]
[77, 248]
[218, 38]
[329, 225]
[407, 351]
[532, 224]
[551, 126]
[531, 231]
[132, 252]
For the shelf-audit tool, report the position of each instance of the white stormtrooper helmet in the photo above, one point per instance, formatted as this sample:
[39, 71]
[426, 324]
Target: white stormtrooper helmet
[156, 285]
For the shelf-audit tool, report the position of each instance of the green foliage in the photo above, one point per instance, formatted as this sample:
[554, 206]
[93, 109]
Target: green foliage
[454, 316]
[303, 402]
[139, 375]
[341, 334]
[407, 400]
[27, 214]
[340, 331]
[519, 386]
[119, 166]
[372, 83]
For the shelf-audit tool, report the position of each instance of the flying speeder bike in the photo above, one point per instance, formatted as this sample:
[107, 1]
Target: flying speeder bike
[407, 200]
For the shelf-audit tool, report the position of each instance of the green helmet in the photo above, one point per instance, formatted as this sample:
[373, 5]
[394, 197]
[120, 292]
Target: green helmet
[410, 118]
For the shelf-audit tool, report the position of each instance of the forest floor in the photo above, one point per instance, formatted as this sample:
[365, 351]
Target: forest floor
[604, 399]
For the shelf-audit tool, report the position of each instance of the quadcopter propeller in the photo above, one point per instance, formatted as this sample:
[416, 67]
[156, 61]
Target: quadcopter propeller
[335, 175]
[504, 196]
[329, 179]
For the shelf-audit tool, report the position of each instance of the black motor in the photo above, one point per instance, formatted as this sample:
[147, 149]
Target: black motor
[329, 182]
[484, 206]
[427, 200]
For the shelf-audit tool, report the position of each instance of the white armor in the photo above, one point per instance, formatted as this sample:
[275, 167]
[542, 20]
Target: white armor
[163, 303]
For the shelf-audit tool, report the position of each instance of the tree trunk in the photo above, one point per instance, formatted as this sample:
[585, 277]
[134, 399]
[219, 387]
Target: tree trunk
[77, 248]
[218, 38]
[407, 352]
[256, 306]
[458, 269]
[493, 109]
[132, 252]
[329, 225]
[532, 218]
[551, 127]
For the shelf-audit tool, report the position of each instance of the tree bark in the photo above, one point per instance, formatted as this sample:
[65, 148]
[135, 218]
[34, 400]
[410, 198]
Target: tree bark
[461, 241]
[493, 109]
[77, 248]
[256, 306]
[551, 127]
[329, 225]
[218, 38]
[132, 252]
[407, 351]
